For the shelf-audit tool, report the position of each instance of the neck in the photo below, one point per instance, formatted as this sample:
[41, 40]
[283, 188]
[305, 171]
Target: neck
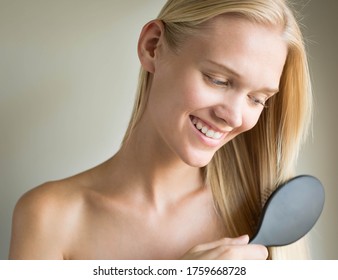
[149, 166]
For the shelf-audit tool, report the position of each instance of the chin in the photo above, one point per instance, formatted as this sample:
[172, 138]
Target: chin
[198, 160]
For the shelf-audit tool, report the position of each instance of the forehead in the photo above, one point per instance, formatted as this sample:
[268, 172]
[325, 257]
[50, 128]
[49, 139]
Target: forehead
[233, 33]
[252, 49]
[240, 31]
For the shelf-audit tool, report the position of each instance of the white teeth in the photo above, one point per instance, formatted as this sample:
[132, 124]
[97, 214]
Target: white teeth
[210, 133]
[205, 130]
[199, 125]
[217, 135]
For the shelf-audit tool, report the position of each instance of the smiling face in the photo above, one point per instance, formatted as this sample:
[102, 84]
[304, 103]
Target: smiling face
[214, 86]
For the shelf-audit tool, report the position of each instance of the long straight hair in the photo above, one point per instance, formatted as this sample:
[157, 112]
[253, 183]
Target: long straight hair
[244, 172]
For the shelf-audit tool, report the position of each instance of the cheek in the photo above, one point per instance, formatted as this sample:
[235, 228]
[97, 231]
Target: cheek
[251, 119]
[196, 95]
[175, 89]
[189, 97]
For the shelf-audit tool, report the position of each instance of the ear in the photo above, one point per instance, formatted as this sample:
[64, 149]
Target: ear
[149, 43]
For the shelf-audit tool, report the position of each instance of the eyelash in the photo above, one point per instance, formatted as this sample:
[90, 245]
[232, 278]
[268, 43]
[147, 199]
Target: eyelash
[257, 101]
[228, 83]
[217, 82]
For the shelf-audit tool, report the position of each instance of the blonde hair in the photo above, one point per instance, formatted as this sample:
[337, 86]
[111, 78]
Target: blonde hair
[244, 172]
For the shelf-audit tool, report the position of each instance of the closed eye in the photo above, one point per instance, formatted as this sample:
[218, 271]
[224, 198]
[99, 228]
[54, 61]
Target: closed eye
[258, 101]
[217, 82]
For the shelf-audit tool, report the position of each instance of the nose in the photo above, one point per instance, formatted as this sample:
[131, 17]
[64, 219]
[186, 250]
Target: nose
[230, 110]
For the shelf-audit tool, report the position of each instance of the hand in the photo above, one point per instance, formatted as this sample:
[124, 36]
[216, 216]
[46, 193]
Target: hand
[228, 249]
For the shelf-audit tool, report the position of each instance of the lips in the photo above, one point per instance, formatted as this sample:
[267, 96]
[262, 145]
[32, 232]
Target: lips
[206, 129]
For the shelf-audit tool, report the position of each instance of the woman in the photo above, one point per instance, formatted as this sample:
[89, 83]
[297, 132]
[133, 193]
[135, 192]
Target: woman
[223, 105]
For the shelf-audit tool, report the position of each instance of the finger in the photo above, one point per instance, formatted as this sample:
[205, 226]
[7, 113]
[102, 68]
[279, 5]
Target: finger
[243, 252]
[241, 240]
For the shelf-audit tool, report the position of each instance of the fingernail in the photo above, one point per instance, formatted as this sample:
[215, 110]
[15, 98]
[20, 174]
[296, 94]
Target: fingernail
[244, 238]
[264, 252]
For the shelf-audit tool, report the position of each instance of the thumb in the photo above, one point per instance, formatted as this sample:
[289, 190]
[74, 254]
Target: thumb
[240, 240]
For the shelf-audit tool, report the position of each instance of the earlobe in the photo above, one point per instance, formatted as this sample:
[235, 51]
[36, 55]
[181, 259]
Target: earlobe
[148, 44]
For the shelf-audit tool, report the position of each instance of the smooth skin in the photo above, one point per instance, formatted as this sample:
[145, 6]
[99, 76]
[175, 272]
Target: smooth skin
[149, 200]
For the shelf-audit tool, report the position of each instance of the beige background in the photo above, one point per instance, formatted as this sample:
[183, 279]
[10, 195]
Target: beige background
[68, 72]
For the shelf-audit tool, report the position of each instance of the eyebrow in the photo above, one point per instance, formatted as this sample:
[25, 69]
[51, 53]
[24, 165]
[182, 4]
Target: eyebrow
[224, 68]
[229, 70]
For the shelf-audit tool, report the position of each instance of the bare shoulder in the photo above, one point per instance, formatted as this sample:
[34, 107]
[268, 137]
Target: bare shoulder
[43, 219]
